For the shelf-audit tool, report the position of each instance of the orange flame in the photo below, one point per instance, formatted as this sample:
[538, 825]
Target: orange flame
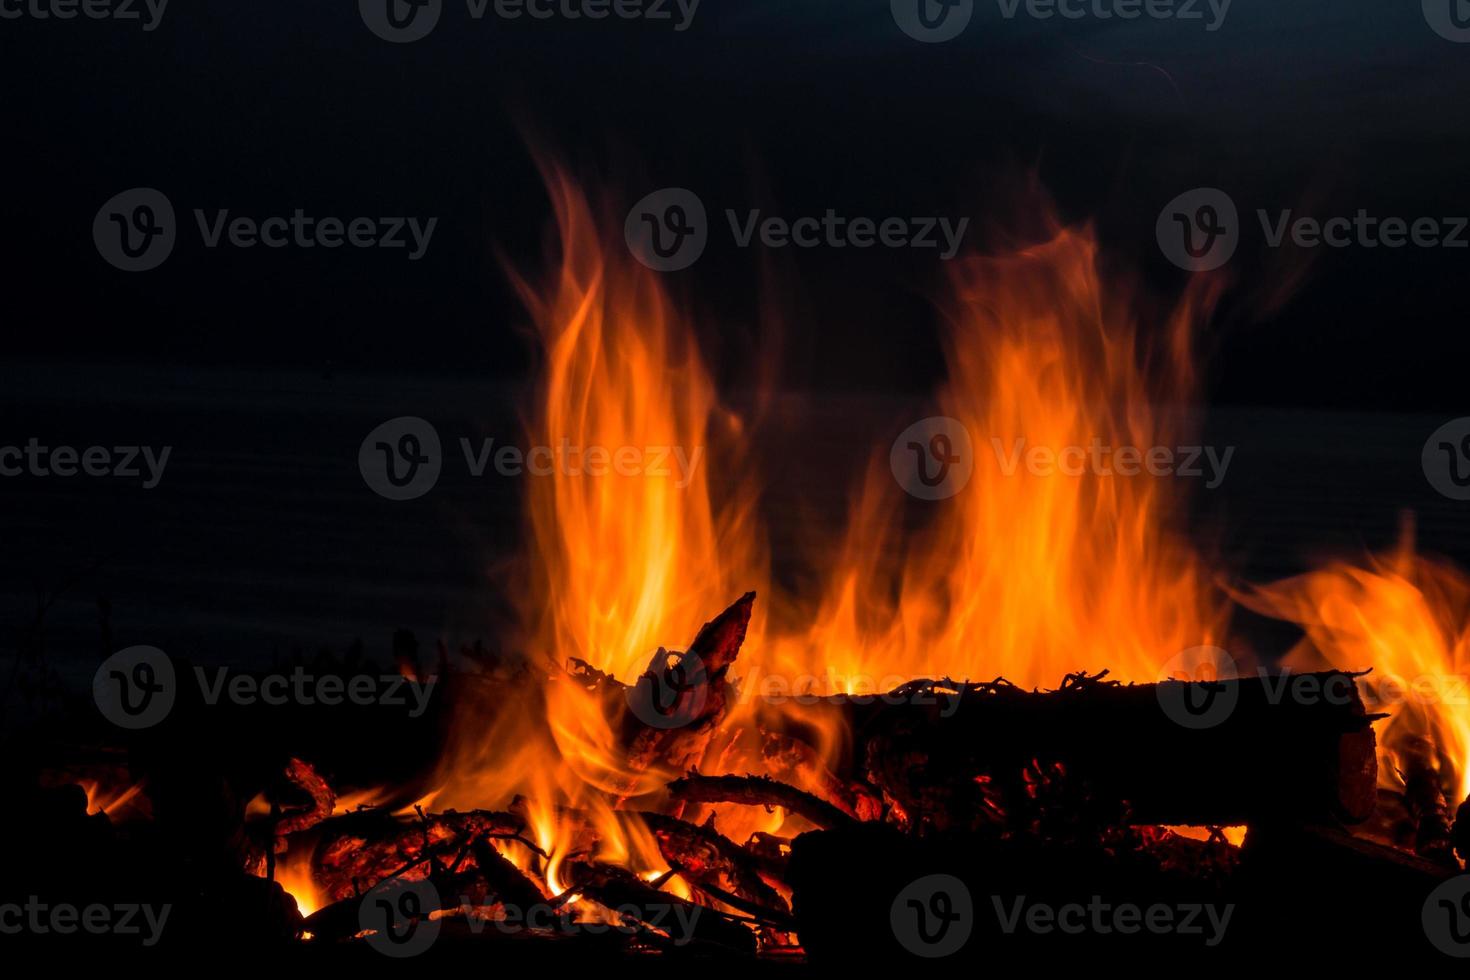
[1407, 617]
[1032, 572]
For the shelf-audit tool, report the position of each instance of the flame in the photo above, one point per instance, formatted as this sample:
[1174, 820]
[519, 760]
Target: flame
[625, 562]
[293, 873]
[1023, 575]
[109, 802]
[620, 562]
[1407, 618]
[1032, 574]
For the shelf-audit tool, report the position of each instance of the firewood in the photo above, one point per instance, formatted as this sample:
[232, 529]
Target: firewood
[358, 850]
[944, 753]
[504, 881]
[1425, 802]
[302, 775]
[703, 854]
[622, 891]
[708, 659]
[758, 791]
[793, 761]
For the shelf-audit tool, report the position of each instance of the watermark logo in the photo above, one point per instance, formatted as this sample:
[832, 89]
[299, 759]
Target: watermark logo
[672, 692]
[40, 918]
[678, 920]
[1099, 917]
[147, 12]
[1450, 19]
[405, 21]
[1199, 230]
[933, 917]
[1211, 12]
[401, 459]
[934, 458]
[120, 462]
[136, 230]
[668, 229]
[932, 21]
[395, 917]
[135, 688]
[401, 21]
[1446, 459]
[1193, 688]
[1446, 917]
[1206, 463]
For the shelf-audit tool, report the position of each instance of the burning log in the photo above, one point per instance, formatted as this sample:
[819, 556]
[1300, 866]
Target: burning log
[1425, 803]
[505, 882]
[758, 791]
[704, 855]
[944, 753]
[303, 776]
[789, 758]
[697, 691]
[360, 849]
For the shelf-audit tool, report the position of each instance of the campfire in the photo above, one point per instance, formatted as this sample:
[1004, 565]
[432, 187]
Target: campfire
[1029, 687]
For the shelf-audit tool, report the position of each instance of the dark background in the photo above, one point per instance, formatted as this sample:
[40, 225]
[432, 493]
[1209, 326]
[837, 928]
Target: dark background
[264, 369]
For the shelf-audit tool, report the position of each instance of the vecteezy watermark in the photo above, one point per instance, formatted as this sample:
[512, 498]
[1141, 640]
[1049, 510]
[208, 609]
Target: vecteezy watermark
[402, 459]
[1100, 459]
[1446, 459]
[1446, 917]
[148, 13]
[1211, 13]
[1193, 688]
[1200, 688]
[118, 462]
[933, 21]
[672, 692]
[933, 916]
[137, 687]
[668, 230]
[1200, 230]
[137, 230]
[402, 918]
[40, 918]
[1450, 19]
[934, 458]
[405, 21]
[397, 919]
[1098, 917]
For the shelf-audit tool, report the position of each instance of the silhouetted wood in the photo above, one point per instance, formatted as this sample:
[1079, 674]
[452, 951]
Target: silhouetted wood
[950, 755]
